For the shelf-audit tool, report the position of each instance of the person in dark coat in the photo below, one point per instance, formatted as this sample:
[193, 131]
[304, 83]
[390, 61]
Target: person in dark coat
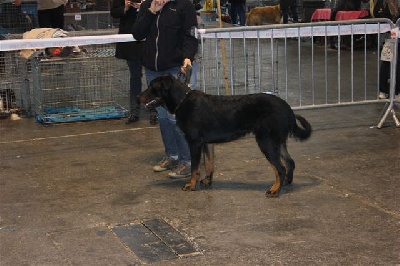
[170, 46]
[286, 6]
[387, 9]
[127, 11]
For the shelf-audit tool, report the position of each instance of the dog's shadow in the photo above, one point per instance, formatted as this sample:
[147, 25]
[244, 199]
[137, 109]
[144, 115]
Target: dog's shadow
[303, 183]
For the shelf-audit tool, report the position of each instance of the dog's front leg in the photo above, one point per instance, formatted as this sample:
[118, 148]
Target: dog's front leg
[195, 154]
[274, 190]
[208, 152]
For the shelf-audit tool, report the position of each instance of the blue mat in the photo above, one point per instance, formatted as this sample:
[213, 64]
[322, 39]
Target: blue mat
[74, 114]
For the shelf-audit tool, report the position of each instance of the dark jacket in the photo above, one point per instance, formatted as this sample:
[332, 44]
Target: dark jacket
[287, 3]
[126, 50]
[169, 34]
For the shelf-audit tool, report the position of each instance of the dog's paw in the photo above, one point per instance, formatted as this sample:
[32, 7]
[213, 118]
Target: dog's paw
[287, 182]
[206, 183]
[189, 187]
[271, 194]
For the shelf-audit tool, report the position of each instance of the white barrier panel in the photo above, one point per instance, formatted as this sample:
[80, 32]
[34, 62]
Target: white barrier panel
[241, 32]
[307, 31]
[20, 44]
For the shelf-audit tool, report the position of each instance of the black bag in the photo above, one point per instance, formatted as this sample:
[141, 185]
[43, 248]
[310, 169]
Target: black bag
[12, 17]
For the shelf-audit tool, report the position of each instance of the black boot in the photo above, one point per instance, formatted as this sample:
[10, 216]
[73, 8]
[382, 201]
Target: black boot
[132, 119]
[153, 119]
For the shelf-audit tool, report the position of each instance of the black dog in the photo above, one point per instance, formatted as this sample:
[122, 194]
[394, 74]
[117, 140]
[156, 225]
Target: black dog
[207, 119]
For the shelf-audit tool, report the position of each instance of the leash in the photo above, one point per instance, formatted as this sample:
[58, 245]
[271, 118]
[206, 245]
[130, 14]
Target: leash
[184, 77]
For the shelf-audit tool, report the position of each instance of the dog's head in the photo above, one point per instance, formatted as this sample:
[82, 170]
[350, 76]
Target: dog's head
[156, 92]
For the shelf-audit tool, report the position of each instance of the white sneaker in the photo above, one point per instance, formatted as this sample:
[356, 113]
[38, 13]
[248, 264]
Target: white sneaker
[166, 163]
[382, 95]
[183, 170]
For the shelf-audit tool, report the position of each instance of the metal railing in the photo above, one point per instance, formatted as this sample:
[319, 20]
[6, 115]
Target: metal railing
[307, 64]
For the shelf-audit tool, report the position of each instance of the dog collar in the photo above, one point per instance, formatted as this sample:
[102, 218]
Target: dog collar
[184, 97]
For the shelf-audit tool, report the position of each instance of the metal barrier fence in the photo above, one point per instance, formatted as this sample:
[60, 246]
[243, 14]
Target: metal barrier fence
[286, 60]
[295, 61]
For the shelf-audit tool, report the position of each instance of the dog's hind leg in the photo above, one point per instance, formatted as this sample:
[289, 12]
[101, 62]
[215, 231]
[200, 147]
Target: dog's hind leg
[289, 163]
[195, 154]
[208, 152]
[271, 149]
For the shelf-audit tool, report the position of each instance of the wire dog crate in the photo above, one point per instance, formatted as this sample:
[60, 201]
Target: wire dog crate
[81, 87]
[13, 99]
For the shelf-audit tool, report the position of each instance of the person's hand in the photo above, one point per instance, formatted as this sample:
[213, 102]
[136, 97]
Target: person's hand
[187, 62]
[136, 4]
[157, 5]
[127, 5]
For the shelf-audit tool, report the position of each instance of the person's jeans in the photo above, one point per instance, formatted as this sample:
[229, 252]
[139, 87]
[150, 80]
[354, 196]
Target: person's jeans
[135, 85]
[173, 138]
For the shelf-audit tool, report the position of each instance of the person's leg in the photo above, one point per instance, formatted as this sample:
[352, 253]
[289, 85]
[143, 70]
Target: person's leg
[242, 14]
[184, 158]
[167, 127]
[285, 14]
[233, 13]
[183, 148]
[384, 76]
[44, 18]
[57, 17]
[173, 138]
[135, 88]
[193, 77]
[293, 9]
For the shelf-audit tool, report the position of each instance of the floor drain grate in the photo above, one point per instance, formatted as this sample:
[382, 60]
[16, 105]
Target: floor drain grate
[155, 240]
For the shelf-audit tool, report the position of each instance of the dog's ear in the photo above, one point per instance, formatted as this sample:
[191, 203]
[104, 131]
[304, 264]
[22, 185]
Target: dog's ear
[161, 85]
[167, 82]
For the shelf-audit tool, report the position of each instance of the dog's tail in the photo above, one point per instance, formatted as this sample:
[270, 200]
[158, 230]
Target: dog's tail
[302, 133]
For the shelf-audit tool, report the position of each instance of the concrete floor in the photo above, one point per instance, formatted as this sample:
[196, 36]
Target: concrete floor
[64, 187]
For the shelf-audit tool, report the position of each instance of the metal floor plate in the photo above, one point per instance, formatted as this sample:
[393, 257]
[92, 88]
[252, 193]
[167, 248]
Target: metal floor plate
[154, 240]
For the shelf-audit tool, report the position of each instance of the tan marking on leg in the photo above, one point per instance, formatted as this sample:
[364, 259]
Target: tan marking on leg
[208, 164]
[209, 160]
[193, 181]
[277, 184]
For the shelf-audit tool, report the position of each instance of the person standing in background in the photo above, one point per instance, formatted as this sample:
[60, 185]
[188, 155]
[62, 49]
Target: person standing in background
[238, 9]
[51, 13]
[126, 11]
[387, 9]
[286, 6]
[170, 46]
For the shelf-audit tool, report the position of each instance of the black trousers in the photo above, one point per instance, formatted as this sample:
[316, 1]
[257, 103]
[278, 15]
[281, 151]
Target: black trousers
[52, 18]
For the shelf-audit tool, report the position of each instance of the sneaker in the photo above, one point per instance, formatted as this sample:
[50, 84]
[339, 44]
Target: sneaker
[183, 170]
[167, 163]
[382, 95]
[397, 98]
[132, 119]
